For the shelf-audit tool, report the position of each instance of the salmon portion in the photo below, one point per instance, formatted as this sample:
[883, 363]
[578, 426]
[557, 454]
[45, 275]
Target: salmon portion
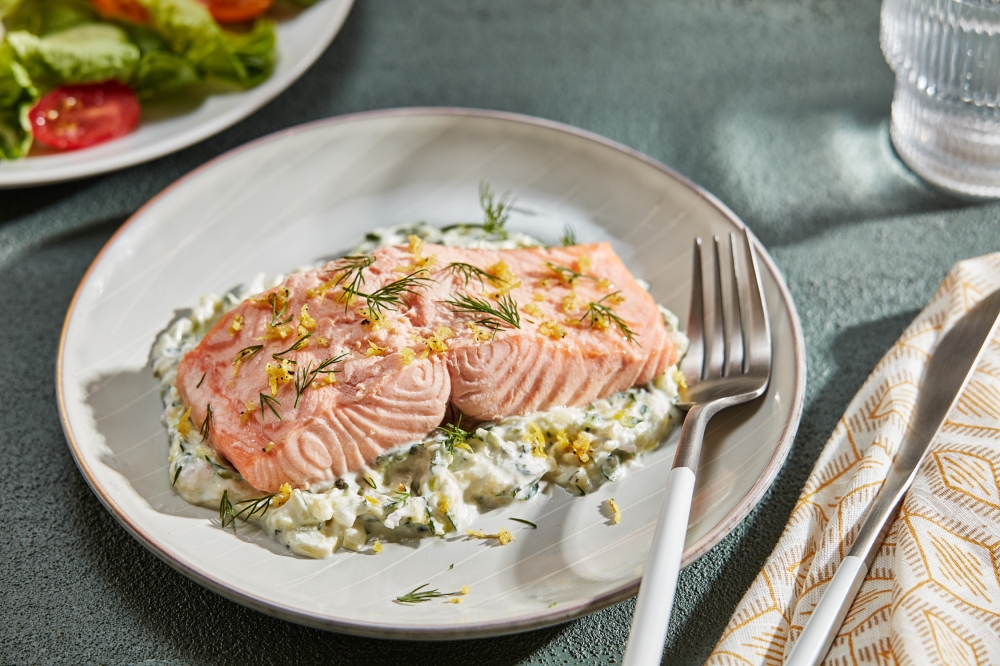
[584, 330]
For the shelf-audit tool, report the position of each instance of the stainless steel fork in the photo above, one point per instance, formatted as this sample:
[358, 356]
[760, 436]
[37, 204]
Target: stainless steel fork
[727, 363]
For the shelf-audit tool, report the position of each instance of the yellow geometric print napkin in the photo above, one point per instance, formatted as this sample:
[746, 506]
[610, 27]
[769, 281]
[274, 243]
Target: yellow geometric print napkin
[933, 593]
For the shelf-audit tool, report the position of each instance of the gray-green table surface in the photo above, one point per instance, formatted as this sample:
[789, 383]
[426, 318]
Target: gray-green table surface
[779, 107]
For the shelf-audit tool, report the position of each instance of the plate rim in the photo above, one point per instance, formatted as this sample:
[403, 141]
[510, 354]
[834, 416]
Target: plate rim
[481, 629]
[268, 91]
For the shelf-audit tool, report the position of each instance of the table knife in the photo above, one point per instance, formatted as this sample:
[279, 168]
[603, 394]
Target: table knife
[951, 365]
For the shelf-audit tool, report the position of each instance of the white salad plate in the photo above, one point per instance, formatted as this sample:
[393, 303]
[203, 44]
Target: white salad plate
[311, 191]
[187, 118]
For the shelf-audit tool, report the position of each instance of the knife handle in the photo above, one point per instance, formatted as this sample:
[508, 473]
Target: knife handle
[828, 616]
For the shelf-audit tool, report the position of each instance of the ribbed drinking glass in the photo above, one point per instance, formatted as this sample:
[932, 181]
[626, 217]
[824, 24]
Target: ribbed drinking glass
[946, 108]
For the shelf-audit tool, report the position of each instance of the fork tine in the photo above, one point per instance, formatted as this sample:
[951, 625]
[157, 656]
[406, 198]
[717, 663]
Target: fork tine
[759, 326]
[716, 339]
[737, 306]
[692, 365]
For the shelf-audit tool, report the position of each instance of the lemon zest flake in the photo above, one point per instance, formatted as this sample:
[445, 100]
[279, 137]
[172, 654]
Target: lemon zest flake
[282, 496]
[306, 322]
[502, 535]
[537, 440]
[533, 310]
[267, 449]
[377, 546]
[605, 284]
[571, 303]
[581, 447]
[552, 330]
[236, 325]
[584, 263]
[616, 513]
[279, 373]
[407, 355]
[375, 350]
[479, 334]
[455, 600]
[465, 590]
[436, 342]
[538, 297]
[505, 281]
[184, 425]
[322, 342]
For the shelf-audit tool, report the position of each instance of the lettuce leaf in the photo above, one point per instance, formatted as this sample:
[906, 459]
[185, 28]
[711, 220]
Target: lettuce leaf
[41, 17]
[17, 96]
[189, 30]
[87, 53]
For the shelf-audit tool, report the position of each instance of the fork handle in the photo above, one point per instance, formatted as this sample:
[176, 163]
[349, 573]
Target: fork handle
[659, 580]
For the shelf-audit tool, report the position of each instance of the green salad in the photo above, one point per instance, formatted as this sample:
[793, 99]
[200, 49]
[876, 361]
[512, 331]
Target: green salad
[52, 43]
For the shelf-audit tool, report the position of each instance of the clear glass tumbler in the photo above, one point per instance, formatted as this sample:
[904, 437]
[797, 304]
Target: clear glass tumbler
[946, 108]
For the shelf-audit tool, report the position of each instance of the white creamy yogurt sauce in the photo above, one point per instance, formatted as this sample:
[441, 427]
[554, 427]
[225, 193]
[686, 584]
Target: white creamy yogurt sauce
[429, 488]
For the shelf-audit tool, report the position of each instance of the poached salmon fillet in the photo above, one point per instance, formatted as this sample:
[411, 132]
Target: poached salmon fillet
[315, 378]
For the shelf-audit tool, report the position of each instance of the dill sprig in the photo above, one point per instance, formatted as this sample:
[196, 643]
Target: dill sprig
[246, 352]
[297, 345]
[269, 402]
[468, 271]
[276, 314]
[304, 377]
[351, 270]
[371, 483]
[207, 423]
[496, 211]
[454, 436]
[226, 514]
[390, 296]
[419, 595]
[505, 311]
[526, 522]
[176, 474]
[568, 274]
[568, 237]
[200, 381]
[255, 506]
[400, 499]
[603, 316]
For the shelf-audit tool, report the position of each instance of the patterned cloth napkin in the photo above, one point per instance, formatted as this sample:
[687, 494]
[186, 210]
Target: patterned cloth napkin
[933, 593]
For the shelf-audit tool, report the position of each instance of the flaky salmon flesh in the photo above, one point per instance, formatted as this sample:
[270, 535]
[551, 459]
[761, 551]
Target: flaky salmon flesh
[315, 378]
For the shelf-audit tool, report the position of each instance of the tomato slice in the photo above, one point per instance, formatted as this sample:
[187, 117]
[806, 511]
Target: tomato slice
[129, 10]
[235, 11]
[80, 115]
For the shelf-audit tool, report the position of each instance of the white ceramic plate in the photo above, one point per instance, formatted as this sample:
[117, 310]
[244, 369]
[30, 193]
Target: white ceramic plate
[169, 126]
[291, 197]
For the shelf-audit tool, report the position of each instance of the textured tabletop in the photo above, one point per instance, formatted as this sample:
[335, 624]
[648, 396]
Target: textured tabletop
[779, 107]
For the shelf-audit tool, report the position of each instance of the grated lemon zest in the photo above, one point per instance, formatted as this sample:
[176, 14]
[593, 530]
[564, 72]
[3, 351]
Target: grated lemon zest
[377, 546]
[247, 411]
[322, 342]
[479, 334]
[502, 535]
[375, 350]
[465, 590]
[616, 513]
[533, 310]
[571, 303]
[506, 279]
[236, 325]
[584, 263]
[184, 425]
[279, 373]
[282, 496]
[538, 297]
[605, 284]
[537, 440]
[553, 330]
[407, 355]
[581, 447]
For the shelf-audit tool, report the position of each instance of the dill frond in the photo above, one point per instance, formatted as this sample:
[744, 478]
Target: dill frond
[269, 402]
[419, 595]
[526, 522]
[602, 316]
[207, 423]
[200, 381]
[297, 345]
[568, 237]
[455, 436]
[226, 514]
[306, 376]
[277, 314]
[505, 312]
[390, 296]
[468, 271]
[256, 506]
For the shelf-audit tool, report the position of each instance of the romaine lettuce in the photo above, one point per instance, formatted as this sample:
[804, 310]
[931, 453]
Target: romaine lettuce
[87, 53]
[17, 96]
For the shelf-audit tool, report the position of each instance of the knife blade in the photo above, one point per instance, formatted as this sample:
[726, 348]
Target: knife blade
[951, 366]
